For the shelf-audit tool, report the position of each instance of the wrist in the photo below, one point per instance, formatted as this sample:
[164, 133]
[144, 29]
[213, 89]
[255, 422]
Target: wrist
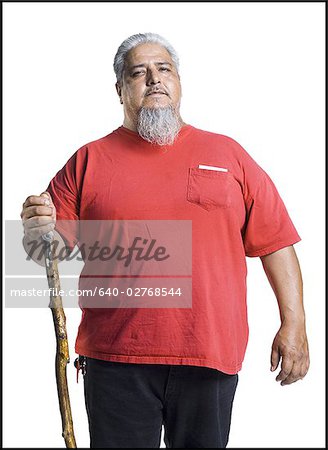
[295, 319]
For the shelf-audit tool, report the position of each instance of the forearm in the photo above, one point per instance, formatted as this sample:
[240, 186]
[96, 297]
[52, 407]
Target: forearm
[284, 274]
[290, 343]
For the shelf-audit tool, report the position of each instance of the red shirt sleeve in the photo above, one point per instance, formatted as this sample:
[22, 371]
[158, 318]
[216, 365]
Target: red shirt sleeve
[65, 189]
[269, 227]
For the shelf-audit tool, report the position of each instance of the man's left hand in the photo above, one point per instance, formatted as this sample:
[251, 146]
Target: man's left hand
[290, 345]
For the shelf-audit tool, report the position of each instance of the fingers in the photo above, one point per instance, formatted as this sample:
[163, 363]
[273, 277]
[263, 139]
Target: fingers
[292, 371]
[36, 226]
[294, 375]
[38, 221]
[304, 368]
[33, 200]
[39, 210]
[37, 232]
[38, 205]
[286, 368]
[275, 358]
[47, 196]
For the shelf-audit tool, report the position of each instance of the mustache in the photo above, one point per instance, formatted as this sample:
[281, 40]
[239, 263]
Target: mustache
[156, 91]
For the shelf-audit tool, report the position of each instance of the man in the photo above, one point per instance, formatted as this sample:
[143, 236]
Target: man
[174, 366]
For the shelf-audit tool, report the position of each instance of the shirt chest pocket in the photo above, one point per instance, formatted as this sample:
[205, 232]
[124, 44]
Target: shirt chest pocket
[209, 189]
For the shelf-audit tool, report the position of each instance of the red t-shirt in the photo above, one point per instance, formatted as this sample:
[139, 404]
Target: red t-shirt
[235, 211]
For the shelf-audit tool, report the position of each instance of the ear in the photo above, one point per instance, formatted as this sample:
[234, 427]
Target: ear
[119, 91]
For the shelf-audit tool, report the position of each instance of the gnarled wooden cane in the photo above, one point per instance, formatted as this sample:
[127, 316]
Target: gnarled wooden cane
[62, 349]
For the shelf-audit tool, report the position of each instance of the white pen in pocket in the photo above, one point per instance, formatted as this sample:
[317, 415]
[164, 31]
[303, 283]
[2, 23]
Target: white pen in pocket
[219, 169]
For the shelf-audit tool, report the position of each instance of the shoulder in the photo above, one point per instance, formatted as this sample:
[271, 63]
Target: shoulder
[93, 149]
[222, 141]
[98, 143]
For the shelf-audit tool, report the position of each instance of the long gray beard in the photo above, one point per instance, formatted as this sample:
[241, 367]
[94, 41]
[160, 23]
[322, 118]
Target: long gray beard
[158, 125]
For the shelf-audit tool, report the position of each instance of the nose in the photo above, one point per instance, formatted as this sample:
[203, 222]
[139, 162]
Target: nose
[153, 77]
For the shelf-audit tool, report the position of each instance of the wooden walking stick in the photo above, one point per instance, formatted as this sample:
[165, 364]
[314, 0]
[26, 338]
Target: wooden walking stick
[62, 350]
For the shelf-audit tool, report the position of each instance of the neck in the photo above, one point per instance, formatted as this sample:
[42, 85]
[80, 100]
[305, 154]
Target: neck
[131, 125]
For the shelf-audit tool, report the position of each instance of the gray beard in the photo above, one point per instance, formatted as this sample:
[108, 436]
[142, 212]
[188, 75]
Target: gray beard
[158, 125]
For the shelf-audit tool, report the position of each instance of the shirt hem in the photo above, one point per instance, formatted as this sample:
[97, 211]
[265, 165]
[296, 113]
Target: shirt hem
[273, 248]
[172, 360]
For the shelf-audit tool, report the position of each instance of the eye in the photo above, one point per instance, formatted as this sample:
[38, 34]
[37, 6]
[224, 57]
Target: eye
[164, 69]
[139, 72]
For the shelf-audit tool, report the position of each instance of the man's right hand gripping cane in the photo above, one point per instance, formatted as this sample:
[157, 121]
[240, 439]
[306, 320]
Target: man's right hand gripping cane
[39, 218]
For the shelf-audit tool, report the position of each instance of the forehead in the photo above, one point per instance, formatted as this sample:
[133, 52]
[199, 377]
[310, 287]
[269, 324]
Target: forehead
[147, 53]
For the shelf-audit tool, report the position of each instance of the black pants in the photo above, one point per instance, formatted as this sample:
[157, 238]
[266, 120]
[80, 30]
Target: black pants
[128, 403]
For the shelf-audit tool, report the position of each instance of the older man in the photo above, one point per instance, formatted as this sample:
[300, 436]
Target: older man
[174, 366]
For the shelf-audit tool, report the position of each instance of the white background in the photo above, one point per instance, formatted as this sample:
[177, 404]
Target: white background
[252, 71]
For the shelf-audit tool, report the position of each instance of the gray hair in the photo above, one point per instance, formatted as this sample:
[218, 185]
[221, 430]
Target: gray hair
[134, 41]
